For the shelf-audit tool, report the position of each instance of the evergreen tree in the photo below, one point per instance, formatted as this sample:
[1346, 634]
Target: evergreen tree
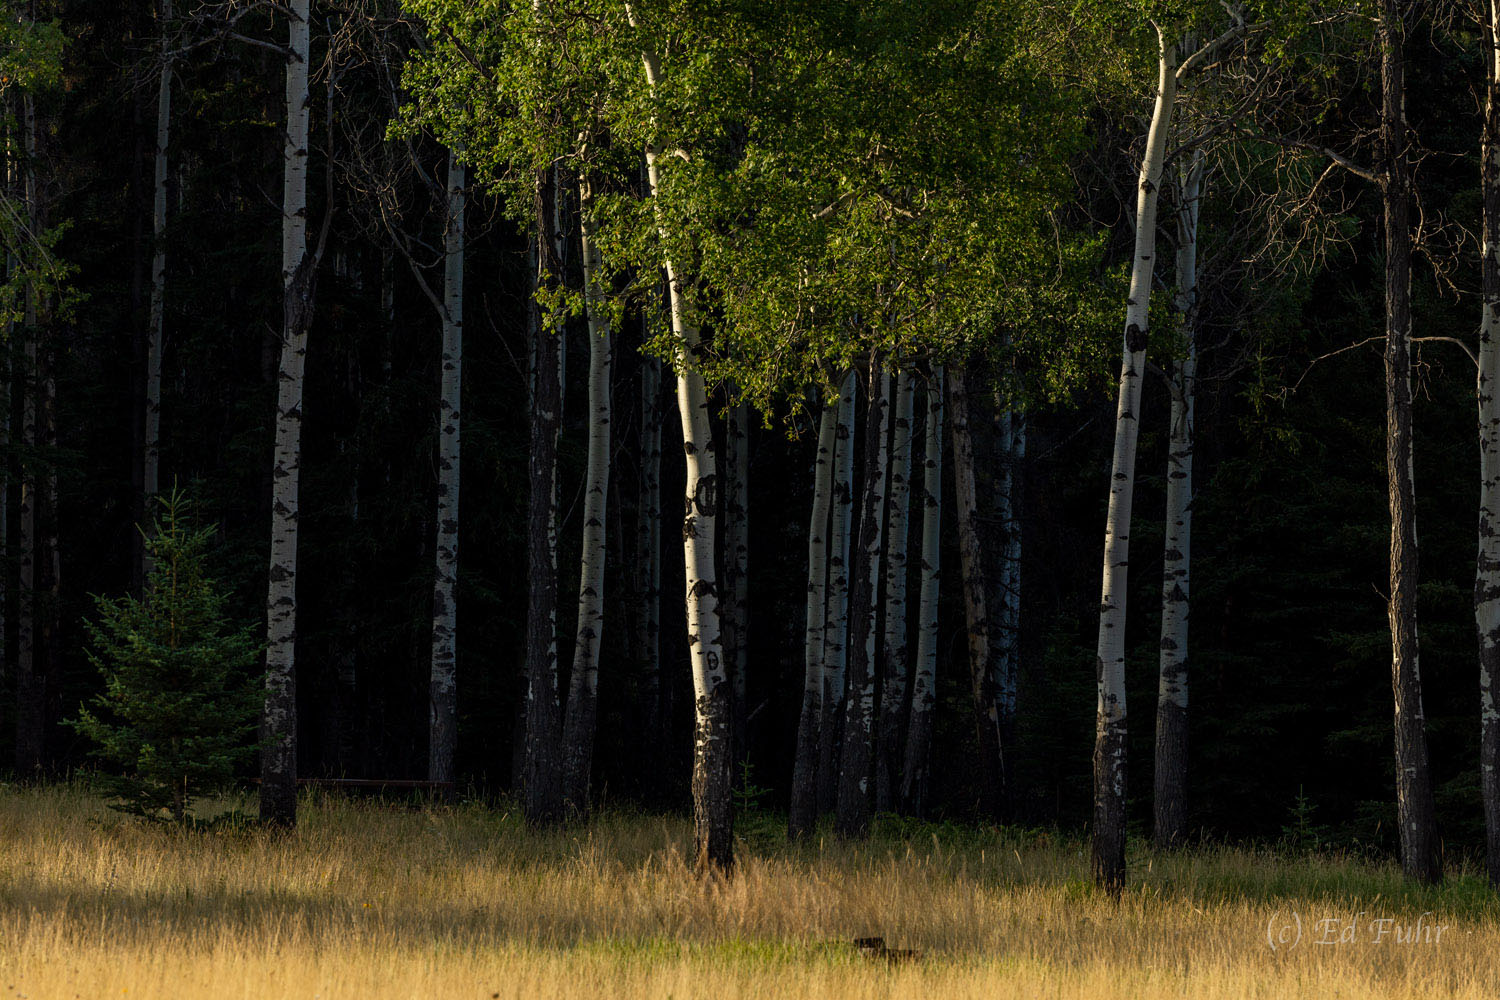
[179, 703]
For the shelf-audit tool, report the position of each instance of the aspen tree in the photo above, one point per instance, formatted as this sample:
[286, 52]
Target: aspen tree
[836, 636]
[803, 813]
[893, 687]
[852, 818]
[1487, 567]
[914, 773]
[1169, 800]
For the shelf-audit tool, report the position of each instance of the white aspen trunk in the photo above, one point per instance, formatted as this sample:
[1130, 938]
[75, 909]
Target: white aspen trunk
[924, 680]
[1487, 567]
[151, 470]
[583, 689]
[30, 693]
[852, 817]
[443, 686]
[1108, 854]
[893, 688]
[836, 624]
[278, 792]
[712, 756]
[1170, 799]
[804, 805]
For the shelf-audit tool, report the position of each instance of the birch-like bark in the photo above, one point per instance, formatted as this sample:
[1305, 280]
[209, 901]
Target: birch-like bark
[30, 682]
[151, 460]
[852, 817]
[836, 623]
[734, 612]
[803, 813]
[1169, 803]
[1487, 567]
[914, 774]
[1007, 631]
[893, 687]
[1420, 857]
[278, 729]
[648, 552]
[443, 682]
[1108, 847]
[982, 670]
[713, 816]
[583, 688]
[541, 766]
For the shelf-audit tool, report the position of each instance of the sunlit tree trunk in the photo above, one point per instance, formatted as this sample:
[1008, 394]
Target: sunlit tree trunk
[713, 815]
[1108, 848]
[836, 636]
[893, 688]
[151, 462]
[803, 813]
[583, 687]
[278, 789]
[852, 817]
[443, 720]
[915, 772]
[541, 770]
[983, 671]
[1170, 799]
[1414, 799]
[1487, 569]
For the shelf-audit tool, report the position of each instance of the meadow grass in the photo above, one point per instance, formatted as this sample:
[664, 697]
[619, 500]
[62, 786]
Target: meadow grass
[374, 900]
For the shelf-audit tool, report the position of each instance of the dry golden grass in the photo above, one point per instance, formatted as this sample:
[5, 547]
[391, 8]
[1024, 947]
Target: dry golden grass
[375, 901]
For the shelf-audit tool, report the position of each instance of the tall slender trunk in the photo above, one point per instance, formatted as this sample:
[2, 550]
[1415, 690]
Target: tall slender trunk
[852, 817]
[893, 688]
[1170, 799]
[541, 771]
[836, 636]
[1008, 628]
[1487, 567]
[278, 769]
[583, 688]
[713, 813]
[735, 611]
[648, 561]
[151, 460]
[443, 681]
[803, 813]
[1108, 848]
[31, 694]
[982, 670]
[914, 775]
[1414, 800]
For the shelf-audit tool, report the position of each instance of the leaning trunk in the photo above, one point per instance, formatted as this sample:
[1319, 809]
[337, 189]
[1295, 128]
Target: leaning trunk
[982, 672]
[1169, 801]
[1487, 569]
[1108, 854]
[1414, 800]
[803, 813]
[852, 818]
[893, 688]
[713, 816]
[914, 777]
[583, 685]
[836, 621]
[443, 720]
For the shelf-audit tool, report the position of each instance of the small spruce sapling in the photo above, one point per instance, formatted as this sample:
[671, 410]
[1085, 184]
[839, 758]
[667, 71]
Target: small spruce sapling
[180, 700]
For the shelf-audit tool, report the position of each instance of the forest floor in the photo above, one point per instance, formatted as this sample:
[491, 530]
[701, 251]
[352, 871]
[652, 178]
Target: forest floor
[368, 901]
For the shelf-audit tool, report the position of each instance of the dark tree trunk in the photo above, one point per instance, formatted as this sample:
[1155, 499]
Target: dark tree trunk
[541, 791]
[1414, 800]
[1487, 566]
[852, 817]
